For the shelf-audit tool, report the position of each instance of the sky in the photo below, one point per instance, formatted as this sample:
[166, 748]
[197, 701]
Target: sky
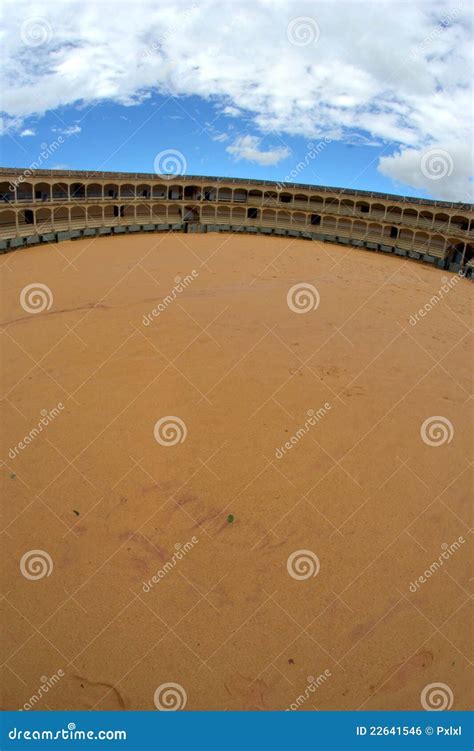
[363, 95]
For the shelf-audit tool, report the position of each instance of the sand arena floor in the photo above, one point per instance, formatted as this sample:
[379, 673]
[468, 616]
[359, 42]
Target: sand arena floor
[278, 574]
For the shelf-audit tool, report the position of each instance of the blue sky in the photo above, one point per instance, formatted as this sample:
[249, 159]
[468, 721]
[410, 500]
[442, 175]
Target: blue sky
[371, 96]
[128, 138]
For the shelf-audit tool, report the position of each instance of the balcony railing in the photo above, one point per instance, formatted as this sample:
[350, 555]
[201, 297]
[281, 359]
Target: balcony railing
[326, 212]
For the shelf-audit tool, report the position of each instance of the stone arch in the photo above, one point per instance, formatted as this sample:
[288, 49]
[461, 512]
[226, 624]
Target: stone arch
[240, 195]
[268, 216]
[43, 220]
[8, 222]
[437, 246]
[143, 190]
[24, 191]
[344, 227]
[421, 242]
[94, 216]
[459, 222]
[159, 213]
[78, 217]
[208, 212]
[283, 217]
[441, 221]
[93, 190]
[393, 214]
[298, 218]
[174, 214]
[255, 196]
[238, 214]
[42, 191]
[209, 193]
[224, 194]
[362, 207]
[60, 191]
[347, 206]
[78, 191]
[377, 211]
[223, 213]
[61, 218]
[111, 191]
[175, 192]
[142, 212]
[159, 191]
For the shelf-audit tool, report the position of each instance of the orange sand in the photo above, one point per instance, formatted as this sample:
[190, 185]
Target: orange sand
[359, 489]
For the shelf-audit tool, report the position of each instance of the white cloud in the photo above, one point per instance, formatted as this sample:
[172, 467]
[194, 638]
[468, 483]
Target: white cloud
[70, 130]
[27, 132]
[232, 111]
[248, 147]
[393, 72]
[445, 172]
[220, 137]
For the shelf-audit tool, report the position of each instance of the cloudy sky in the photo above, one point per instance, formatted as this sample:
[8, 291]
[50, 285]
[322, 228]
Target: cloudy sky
[371, 95]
